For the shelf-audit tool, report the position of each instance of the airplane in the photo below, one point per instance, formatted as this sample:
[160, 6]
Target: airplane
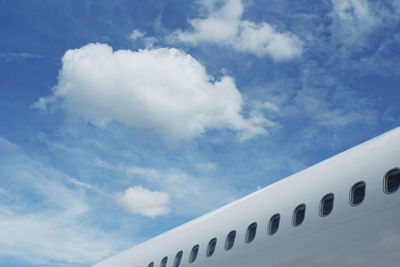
[343, 211]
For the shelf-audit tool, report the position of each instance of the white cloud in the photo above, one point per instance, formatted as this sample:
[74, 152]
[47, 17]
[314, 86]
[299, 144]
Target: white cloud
[139, 35]
[262, 39]
[350, 10]
[136, 34]
[266, 106]
[41, 218]
[221, 25]
[205, 167]
[224, 26]
[42, 238]
[353, 20]
[187, 192]
[331, 108]
[161, 89]
[396, 5]
[139, 200]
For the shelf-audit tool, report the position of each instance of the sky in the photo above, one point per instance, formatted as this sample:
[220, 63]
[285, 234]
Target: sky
[120, 120]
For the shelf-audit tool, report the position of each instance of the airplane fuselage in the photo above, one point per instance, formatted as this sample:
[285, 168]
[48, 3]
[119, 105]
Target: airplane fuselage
[290, 223]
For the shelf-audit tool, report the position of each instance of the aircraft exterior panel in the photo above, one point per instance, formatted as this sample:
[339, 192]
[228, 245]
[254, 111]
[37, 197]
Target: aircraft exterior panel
[364, 235]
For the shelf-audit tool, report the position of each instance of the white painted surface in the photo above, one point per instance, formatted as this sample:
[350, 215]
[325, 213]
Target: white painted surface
[363, 235]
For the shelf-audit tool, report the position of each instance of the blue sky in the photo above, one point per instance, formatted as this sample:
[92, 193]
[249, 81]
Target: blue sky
[121, 119]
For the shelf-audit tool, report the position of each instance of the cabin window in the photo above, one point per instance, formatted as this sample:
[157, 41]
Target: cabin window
[193, 253]
[357, 193]
[251, 232]
[151, 264]
[273, 225]
[230, 240]
[299, 214]
[326, 205]
[392, 181]
[164, 262]
[178, 258]
[211, 247]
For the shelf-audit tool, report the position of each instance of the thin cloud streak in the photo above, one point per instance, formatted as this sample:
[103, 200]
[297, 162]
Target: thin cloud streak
[19, 57]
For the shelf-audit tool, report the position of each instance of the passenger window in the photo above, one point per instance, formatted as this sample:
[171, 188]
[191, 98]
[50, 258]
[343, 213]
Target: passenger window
[178, 259]
[164, 262]
[193, 253]
[299, 214]
[357, 193]
[230, 240]
[211, 247]
[326, 205]
[274, 224]
[151, 264]
[392, 181]
[251, 232]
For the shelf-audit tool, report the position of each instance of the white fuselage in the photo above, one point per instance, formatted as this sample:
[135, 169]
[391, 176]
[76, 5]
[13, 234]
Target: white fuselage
[367, 234]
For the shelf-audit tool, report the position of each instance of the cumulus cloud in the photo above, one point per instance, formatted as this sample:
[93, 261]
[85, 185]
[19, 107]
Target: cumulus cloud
[221, 25]
[224, 26]
[162, 89]
[139, 200]
[188, 194]
[262, 39]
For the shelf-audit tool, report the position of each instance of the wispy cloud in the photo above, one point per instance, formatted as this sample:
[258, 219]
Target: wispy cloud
[46, 237]
[353, 21]
[334, 108]
[18, 57]
[137, 35]
[40, 216]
